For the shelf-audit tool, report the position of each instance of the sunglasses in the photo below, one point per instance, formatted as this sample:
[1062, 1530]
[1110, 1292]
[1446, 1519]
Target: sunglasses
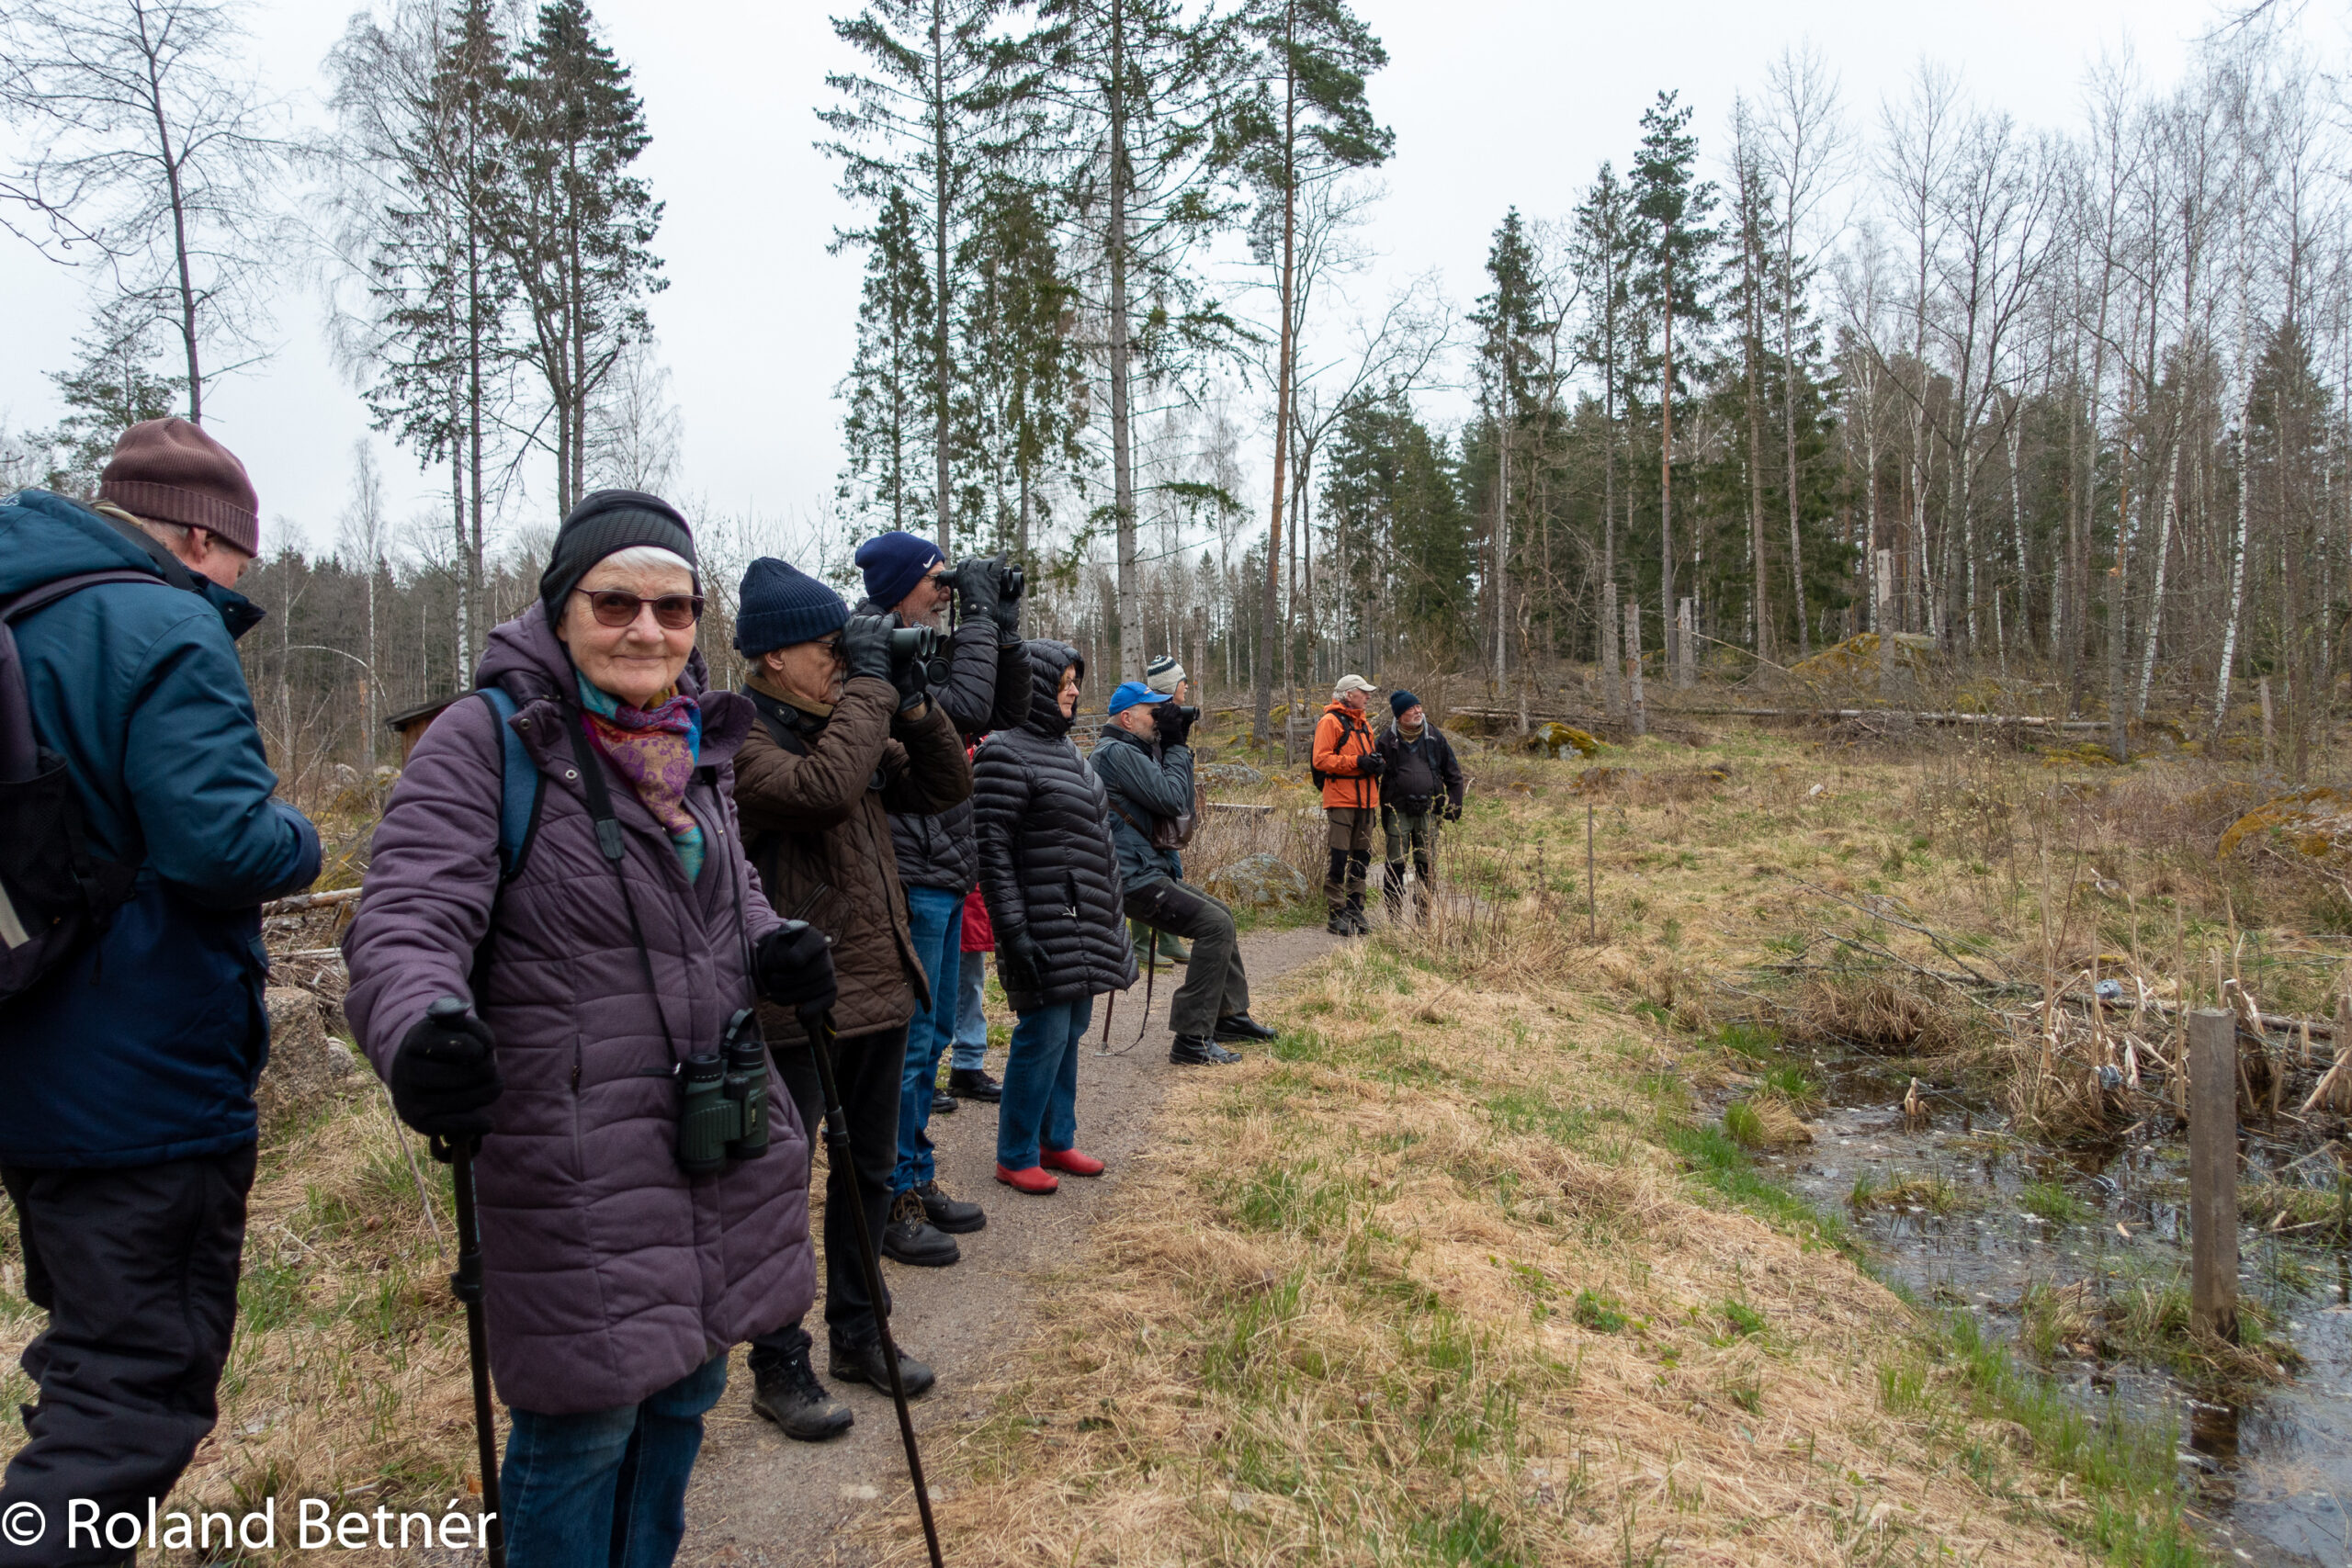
[671, 612]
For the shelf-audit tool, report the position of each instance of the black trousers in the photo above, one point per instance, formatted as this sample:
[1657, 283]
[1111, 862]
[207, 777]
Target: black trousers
[137, 1270]
[1216, 985]
[867, 1068]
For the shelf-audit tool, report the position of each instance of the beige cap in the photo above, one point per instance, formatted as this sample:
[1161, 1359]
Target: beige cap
[1351, 683]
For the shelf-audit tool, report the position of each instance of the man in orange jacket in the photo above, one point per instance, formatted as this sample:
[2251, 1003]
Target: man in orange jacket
[1348, 765]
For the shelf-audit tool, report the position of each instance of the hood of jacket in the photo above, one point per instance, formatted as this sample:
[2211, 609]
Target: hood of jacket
[52, 538]
[1048, 658]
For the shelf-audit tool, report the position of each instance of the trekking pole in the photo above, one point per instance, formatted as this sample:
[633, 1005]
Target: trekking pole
[457, 1154]
[1111, 1001]
[818, 1023]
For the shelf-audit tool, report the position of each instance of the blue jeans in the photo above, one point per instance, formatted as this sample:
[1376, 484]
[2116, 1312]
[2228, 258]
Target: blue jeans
[1040, 1100]
[936, 918]
[606, 1489]
[971, 1024]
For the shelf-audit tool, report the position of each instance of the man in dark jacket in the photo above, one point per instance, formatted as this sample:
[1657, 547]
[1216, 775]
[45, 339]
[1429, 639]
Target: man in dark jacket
[127, 1120]
[987, 689]
[1145, 761]
[838, 747]
[1419, 783]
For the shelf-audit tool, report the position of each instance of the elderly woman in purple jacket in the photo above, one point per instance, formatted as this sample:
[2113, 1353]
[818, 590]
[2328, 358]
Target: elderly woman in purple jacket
[589, 969]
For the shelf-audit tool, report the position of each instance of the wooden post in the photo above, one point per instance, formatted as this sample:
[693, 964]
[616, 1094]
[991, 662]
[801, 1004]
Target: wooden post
[1592, 889]
[1634, 666]
[2269, 755]
[2213, 1171]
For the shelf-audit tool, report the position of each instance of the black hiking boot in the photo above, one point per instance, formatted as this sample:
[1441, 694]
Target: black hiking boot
[1339, 924]
[952, 1215]
[943, 1100]
[864, 1364]
[911, 1238]
[974, 1083]
[1241, 1026]
[791, 1396]
[1193, 1050]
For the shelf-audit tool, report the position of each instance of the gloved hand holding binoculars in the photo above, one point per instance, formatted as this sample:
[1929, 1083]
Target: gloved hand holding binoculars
[906, 657]
[991, 586]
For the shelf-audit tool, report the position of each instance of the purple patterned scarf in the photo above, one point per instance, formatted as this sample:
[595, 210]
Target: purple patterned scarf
[656, 749]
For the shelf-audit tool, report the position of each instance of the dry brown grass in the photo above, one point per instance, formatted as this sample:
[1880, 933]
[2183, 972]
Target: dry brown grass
[1430, 1285]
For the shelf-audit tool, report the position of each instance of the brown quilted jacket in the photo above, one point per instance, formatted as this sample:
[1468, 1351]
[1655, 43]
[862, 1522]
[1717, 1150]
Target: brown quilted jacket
[815, 791]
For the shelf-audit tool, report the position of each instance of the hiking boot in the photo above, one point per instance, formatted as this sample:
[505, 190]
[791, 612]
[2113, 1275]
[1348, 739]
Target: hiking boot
[1172, 949]
[942, 1100]
[950, 1215]
[1068, 1161]
[1197, 1051]
[791, 1396]
[1339, 924]
[1035, 1180]
[974, 1083]
[911, 1238]
[1362, 927]
[1241, 1026]
[864, 1364]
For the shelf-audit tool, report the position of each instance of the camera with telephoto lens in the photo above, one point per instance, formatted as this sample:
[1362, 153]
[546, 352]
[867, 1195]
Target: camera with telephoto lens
[723, 1100]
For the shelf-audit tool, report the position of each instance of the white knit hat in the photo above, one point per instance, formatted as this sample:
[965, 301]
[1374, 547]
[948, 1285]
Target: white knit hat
[1164, 674]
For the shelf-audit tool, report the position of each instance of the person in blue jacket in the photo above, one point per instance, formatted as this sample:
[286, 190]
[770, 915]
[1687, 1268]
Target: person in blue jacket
[127, 1120]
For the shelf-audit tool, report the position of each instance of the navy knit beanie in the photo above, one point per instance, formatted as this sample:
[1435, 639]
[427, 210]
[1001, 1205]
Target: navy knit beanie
[1400, 701]
[894, 563]
[780, 606]
[604, 524]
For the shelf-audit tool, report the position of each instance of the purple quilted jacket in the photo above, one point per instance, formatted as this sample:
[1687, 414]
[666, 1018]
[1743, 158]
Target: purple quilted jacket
[608, 1273]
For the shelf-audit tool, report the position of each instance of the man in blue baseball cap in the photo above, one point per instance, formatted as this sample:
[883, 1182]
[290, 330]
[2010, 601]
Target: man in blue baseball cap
[1145, 761]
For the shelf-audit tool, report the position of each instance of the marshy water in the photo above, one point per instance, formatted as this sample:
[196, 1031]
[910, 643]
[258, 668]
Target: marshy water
[2044, 1246]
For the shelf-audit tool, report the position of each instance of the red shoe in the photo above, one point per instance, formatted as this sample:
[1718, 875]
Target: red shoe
[1069, 1160]
[1037, 1183]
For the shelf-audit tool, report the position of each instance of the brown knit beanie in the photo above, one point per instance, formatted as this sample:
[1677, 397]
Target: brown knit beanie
[167, 470]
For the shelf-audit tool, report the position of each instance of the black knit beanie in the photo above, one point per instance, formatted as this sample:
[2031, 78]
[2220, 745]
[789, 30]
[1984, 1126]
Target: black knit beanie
[780, 605]
[605, 522]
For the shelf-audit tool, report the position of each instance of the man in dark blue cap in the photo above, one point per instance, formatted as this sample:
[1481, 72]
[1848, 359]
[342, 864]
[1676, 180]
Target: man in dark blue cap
[1145, 761]
[987, 688]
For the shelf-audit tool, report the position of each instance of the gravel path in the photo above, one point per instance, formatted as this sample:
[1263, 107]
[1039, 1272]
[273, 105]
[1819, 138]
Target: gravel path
[762, 1500]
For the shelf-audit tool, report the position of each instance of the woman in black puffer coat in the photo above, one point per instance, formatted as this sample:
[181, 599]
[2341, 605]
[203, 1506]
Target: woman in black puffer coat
[1050, 878]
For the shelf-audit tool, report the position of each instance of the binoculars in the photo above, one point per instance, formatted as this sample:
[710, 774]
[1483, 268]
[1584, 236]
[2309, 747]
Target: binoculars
[1011, 581]
[723, 1103]
[1185, 711]
[925, 646]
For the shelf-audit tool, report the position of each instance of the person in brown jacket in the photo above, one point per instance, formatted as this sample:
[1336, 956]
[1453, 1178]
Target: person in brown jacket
[843, 740]
[1348, 765]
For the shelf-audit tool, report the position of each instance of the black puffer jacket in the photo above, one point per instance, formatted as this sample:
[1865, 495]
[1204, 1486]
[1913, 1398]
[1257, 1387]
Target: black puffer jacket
[988, 688]
[1046, 861]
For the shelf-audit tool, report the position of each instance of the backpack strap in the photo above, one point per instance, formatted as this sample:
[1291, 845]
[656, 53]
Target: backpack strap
[49, 592]
[522, 787]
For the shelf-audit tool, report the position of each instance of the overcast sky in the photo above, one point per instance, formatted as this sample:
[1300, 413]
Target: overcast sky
[1494, 103]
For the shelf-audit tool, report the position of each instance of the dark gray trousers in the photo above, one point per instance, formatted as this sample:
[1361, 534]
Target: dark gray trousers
[1215, 985]
[137, 1268]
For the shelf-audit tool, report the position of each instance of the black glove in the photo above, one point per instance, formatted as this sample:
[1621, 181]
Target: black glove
[1009, 582]
[1174, 721]
[977, 587]
[1453, 811]
[1372, 765]
[866, 646]
[1020, 961]
[444, 1075]
[793, 966]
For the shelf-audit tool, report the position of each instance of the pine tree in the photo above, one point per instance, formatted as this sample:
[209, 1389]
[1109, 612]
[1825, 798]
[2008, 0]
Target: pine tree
[891, 391]
[1514, 357]
[112, 389]
[1306, 120]
[580, 228]
[1671, 208]
[1601, 253]
[1135, 91]
[926, 126]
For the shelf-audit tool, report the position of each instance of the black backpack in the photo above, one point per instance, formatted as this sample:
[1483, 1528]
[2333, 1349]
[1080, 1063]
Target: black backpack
[55, 892]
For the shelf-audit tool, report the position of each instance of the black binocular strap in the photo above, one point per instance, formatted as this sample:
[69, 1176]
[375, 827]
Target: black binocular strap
[616, 850]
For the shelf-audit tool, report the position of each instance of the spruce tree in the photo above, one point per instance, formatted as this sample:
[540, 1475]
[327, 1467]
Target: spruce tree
[1673, 280]
[889, 389]
[113, 389]
[580, 230]
[1516, 405]
[924, 124]
[1017, 414]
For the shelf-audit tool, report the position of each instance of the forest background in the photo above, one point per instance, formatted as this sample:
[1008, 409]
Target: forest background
[2048, 373]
